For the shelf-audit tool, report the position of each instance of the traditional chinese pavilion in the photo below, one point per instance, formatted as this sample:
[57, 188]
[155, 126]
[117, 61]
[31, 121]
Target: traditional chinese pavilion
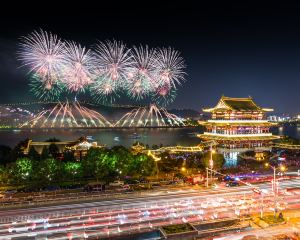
[238, 123]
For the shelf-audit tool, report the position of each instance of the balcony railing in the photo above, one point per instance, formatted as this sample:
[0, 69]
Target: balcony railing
[237, 121]
[239, 135]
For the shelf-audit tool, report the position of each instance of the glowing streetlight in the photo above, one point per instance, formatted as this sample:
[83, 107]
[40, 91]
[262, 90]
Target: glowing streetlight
[275, 189]
[211, 165]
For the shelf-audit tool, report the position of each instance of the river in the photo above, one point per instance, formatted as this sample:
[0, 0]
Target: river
[126, 136]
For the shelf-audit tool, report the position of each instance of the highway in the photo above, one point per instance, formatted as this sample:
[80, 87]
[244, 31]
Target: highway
[123, 216]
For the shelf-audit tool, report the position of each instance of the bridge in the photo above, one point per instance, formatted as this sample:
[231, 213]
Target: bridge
[179, 149]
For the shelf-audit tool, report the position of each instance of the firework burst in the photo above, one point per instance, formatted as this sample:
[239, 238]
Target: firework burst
[115, 61]
[104, 90]
[109, 71]
[45, 54]
[44, 90]
[170, 67]
[79, 67]
[164, 95]
[141, 79]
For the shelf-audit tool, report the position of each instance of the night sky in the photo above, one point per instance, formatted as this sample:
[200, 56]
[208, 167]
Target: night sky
[234, 49]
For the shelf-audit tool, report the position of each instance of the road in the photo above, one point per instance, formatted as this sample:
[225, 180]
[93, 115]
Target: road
[123, 216]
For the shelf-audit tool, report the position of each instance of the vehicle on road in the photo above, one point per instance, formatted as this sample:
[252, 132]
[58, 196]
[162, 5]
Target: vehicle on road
[116, 183]
[232, 184]
[124, 188]
[94, 187]
[132, 181]
[11, 191]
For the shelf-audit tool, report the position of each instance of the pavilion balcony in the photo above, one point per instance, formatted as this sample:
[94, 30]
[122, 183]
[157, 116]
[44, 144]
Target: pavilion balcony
[237, 121]
[238, 135]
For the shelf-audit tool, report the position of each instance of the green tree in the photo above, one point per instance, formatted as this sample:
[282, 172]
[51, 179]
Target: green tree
[47, 171]
[141, 165]
[3, 174]
[72, 170]
[101, 164]
[22, 170]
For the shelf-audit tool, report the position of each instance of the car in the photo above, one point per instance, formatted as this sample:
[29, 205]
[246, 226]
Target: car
[232, 184]
[155, 184]
[94, 187]
[116, 183]
[132, 181]
[125, 188]
[227, 178]
[12, 191]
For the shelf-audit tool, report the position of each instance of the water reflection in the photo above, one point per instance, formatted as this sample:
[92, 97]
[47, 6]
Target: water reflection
[109, 137]
[231, 159]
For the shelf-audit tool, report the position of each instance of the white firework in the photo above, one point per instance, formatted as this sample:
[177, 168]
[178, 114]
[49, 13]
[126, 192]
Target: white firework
[141, 79]
[44, 53]
[79, 67]
[115, 61]
[170, 67]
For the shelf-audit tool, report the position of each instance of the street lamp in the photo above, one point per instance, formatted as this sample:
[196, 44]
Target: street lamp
[211, 165]
[275, 189]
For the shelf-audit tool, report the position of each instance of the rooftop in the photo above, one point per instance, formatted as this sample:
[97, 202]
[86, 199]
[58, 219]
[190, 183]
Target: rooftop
[237, 104]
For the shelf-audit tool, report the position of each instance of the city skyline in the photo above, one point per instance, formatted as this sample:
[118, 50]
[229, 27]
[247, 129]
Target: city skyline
[235, 50]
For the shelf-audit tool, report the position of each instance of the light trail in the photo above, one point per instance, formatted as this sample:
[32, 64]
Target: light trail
[136, 214]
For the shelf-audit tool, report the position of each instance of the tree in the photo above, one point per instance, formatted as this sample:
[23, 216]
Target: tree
[45, 153]
[3, 174]
[68, 156]
[141, 165]
[18, 150]
[218, 160]
[47, 171]
[53, 150]
[193, 161]
[5, 152]
[33, 154]
[102, 163]
[72, 170]
[22, 170]
[168, 163]
[52, 140]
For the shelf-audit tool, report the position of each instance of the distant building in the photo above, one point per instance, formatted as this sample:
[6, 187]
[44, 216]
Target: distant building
[79, 148]
[238, 123]
[275, 118]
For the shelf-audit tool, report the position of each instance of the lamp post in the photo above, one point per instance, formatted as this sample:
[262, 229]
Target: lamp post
[275, 188]
[211, 165]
